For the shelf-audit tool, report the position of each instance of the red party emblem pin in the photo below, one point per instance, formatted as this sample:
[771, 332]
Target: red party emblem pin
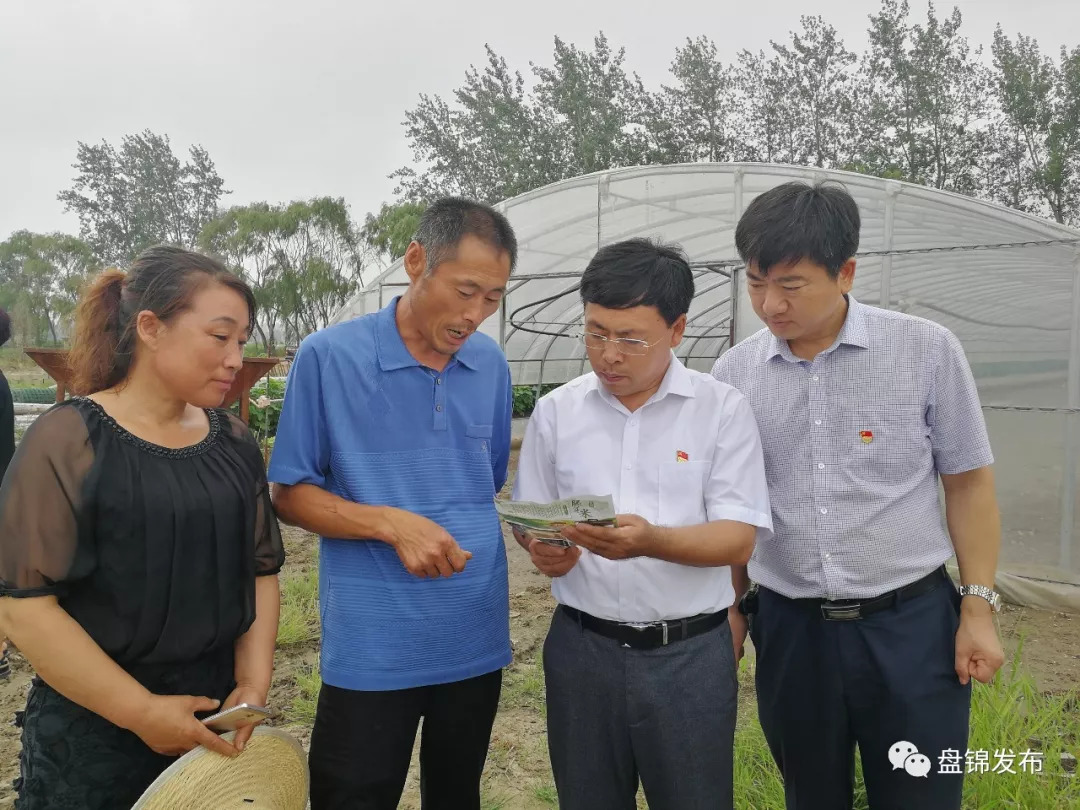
[867, 436]
[680, 455]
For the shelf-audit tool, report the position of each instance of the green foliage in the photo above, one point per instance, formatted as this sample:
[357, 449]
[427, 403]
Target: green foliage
[523, 685]
[1008, 714]
[139, 195]
[298, 620]
[303, 259]
[927, 98]
[497, 140]
[1036, 137]
[41, 276]
[525, 397]
[263, 420]
[918, 105]
[303, 705]
[391, 230]
[547, 794]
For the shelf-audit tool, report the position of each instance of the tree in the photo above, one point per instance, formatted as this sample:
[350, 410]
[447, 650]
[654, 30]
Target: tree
[321, 263]
[928, 97]
[42, 275]
[816, 70]
[597, 111]
[1036, 134]
[304, 261]
[246, 238]
[694, 119]
[139, 195]
[391, 230]
[770, 131]
[493, 144]
[496, 141]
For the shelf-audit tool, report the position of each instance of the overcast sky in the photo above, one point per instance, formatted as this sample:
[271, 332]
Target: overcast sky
[306, 97]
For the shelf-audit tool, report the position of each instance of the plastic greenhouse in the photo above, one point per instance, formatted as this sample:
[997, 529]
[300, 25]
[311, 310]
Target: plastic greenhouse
[1006, 283]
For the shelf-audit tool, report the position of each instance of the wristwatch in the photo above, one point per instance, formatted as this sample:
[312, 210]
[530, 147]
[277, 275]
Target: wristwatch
[988, 594]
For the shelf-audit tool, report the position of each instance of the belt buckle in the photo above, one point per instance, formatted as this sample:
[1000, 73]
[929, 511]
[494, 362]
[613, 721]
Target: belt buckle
[663, 631]
[841, 613]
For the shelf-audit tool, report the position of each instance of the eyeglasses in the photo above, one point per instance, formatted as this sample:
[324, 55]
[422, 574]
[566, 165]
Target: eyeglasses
[631, 346]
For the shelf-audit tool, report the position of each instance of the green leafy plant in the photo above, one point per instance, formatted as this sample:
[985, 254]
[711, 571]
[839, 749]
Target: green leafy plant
[263, 420]
[525, 397]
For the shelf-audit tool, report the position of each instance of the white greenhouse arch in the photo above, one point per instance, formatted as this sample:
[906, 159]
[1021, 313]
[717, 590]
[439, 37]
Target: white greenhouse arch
[1015, 308]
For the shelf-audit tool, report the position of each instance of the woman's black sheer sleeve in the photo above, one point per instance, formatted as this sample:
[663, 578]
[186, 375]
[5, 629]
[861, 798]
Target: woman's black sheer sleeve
[43, 504]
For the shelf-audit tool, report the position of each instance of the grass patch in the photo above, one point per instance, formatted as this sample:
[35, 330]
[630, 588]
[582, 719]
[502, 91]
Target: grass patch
[302, 708]
[523, 686]
[1007, 715]
[298, 621]
[1011, 715]
[547, 794]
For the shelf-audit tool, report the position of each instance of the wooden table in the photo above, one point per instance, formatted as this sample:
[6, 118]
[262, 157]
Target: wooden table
[54, 363]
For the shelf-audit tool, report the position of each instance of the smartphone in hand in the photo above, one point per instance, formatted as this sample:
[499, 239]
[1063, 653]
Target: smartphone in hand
[243, 714]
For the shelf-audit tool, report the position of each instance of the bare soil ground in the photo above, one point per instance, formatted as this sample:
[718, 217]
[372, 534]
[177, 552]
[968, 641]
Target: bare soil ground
[517, 773]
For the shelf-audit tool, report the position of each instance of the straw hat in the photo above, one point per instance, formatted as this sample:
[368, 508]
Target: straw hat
[270, 774]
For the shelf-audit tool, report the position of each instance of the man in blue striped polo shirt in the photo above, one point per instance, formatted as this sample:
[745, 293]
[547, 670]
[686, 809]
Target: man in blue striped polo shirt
[861, 637]
[393, 440]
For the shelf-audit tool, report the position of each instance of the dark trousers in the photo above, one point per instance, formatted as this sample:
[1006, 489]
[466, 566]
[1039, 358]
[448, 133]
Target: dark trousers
[362, 744]
[824, 687]
[614, 714]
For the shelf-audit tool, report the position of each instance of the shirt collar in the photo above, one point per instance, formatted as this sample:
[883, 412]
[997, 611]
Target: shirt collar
[854, 332]
[677, 382]
[391, 350]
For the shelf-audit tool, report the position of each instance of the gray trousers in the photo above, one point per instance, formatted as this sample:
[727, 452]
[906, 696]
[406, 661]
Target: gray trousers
[615, 714]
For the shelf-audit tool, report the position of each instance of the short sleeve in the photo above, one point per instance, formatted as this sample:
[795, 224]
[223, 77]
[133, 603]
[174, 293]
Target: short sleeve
[500, 458]
[958, 435]
[301, 452]
[42, 507]
[269, 548]
[737, 488]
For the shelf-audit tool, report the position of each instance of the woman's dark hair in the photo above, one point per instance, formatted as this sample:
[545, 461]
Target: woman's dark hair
[639, 273]
[162, 280]
[5, 327]
[795, 221]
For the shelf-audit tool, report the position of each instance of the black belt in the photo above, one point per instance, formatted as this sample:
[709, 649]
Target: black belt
[651, 635]
[844, 610]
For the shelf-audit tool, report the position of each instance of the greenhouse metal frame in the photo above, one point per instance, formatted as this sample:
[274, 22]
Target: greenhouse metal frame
[1005, 282]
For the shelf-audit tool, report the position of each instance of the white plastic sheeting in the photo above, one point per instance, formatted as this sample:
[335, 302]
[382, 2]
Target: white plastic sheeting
[1008, 285]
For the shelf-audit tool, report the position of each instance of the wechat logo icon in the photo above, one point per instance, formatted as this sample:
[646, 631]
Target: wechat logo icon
[905, 755]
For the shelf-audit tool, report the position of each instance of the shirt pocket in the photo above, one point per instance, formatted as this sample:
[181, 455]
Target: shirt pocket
[478, 438]
[682, 493]
[883, 444]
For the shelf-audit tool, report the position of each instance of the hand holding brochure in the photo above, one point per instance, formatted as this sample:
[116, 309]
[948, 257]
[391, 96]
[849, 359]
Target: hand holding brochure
[544, 520]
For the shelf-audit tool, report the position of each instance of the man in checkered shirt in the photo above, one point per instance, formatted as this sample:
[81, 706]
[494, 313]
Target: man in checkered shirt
[861, 637]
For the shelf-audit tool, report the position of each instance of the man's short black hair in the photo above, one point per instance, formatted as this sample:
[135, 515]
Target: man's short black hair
[5, 327]
[639, 272]
[796, 221]
[447, 221]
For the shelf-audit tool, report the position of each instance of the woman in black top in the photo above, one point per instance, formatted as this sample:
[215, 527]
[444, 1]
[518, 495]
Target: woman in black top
[138, 548]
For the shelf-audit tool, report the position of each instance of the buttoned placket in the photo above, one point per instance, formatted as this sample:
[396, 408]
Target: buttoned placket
[628, 480]
[439, 397]
[818, 400]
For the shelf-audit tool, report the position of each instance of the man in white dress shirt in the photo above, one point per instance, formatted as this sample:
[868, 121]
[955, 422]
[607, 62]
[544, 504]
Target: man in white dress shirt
[639, 661]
